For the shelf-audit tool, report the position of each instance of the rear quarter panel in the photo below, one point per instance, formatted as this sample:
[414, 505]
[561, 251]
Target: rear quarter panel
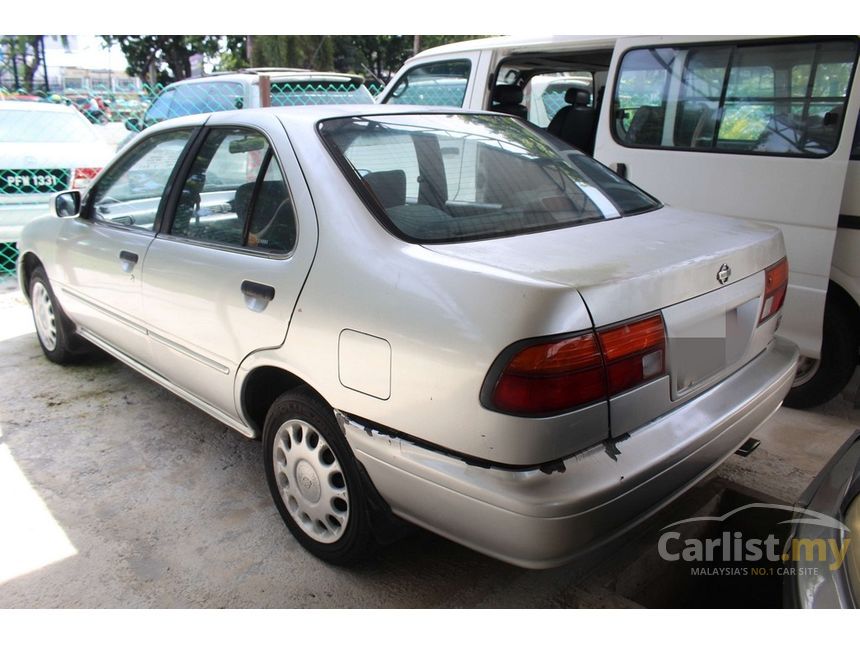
[445, 320]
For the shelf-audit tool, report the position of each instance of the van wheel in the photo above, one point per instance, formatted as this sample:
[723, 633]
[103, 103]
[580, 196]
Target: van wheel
[314, 479]
[54, 330]
[818, 381]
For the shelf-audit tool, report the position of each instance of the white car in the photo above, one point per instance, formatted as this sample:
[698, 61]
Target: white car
[241, 90]
[44, 149]
[443, 316]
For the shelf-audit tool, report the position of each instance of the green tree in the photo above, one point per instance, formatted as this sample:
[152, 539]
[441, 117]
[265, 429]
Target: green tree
[382, 56]
[166, 58]
[234, 53]
[24, 56]
[376, 56]
[311, 52]
[426, 42]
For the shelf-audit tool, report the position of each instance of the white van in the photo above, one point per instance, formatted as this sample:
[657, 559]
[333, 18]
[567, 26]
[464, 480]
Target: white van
[756, 127]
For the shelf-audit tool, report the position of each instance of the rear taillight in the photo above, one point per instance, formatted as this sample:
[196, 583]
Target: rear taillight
[83, 177]
[551, 377]
[775, 287]
[635, 352]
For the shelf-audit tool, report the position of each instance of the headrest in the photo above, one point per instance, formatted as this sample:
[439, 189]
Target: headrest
[389, 187]
[507, 94]
[577, 96]
[271, 194]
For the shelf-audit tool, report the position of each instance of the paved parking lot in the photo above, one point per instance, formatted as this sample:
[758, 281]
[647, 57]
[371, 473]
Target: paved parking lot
[115, 493]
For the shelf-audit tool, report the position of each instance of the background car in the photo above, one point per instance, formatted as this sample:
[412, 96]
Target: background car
[239, 90]
[814, 578]
[44, 149]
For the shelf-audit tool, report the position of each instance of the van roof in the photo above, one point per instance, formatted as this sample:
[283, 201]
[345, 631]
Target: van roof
[519, 43]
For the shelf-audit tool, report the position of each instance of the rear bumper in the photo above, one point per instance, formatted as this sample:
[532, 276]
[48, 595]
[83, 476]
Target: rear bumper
[539, 519]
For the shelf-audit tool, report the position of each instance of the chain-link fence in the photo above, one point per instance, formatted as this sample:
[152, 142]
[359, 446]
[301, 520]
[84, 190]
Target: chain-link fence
[54, 141]
[8, 257]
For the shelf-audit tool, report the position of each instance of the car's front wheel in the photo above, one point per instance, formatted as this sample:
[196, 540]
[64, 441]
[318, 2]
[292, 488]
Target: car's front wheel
[53, 329]
[314, 479]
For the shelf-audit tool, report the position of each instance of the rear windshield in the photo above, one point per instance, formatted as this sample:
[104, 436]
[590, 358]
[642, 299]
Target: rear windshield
[456, 177]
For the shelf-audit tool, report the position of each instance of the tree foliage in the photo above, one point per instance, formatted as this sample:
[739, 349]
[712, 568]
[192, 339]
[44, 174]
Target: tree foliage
[374, 56]
[167, 57]
[26, 54]
[312, 52]
[377, 56]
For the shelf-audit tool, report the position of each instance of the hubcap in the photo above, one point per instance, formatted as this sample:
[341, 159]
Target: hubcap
[310, 481]
[43, 316]
[806, 369]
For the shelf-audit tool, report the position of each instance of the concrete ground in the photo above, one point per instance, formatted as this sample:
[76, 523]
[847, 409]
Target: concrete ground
[115, 493]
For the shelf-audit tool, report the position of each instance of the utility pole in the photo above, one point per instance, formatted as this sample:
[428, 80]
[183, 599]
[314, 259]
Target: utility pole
[416, 44]
[45, 66]
[14, 62]
[249, 50]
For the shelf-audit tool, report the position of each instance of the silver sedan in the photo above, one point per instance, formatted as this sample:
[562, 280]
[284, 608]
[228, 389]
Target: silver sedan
[443, 317]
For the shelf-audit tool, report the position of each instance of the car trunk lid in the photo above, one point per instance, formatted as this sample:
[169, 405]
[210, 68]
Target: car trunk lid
[702, 273]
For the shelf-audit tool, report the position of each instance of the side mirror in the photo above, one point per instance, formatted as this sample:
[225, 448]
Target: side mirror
[66, 204]
[133, 123]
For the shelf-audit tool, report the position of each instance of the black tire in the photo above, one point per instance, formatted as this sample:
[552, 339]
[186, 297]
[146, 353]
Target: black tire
[839, 349]
[68, 346]
[356, 538]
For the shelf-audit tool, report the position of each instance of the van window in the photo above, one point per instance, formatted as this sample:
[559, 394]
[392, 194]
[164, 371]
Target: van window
[442, 83]
[777, 99]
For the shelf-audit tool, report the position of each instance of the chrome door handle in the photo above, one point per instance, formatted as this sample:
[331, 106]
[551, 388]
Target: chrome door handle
[127, 260]
[257, 296]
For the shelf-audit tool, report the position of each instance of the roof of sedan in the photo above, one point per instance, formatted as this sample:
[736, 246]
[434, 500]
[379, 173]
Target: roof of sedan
[315, 113]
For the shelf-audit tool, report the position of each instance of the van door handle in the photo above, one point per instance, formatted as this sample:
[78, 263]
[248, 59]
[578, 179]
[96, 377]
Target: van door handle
[257, 296]
[127, 260]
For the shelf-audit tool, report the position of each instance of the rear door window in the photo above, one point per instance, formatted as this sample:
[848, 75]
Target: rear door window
[235, 195]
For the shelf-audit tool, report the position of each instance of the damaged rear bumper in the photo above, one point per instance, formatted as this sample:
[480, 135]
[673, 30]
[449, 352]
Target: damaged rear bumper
[543, 518]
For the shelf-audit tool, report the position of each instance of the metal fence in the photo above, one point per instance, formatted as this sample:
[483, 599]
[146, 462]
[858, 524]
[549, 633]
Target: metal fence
[51, 142]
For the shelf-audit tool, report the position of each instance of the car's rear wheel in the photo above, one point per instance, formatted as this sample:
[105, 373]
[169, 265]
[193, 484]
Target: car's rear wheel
[54, 330]
[314, 479]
